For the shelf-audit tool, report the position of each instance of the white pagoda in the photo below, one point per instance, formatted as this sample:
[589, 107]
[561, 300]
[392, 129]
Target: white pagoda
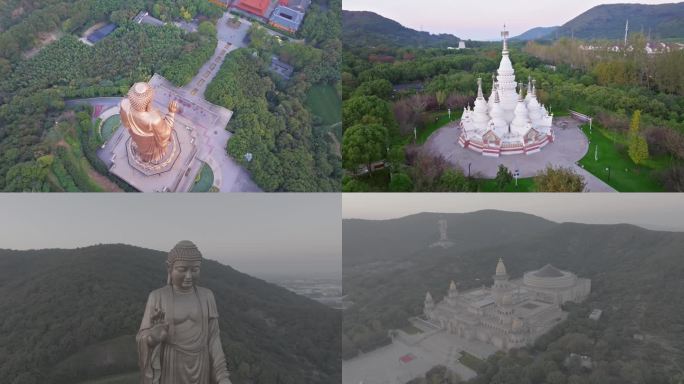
[507, 123]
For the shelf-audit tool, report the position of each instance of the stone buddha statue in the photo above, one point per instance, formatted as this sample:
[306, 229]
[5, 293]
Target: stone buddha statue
[150, 131]
[178, 340]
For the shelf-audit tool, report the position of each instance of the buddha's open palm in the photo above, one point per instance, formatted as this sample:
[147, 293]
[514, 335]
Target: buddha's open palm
[173, 106]
[158, 333]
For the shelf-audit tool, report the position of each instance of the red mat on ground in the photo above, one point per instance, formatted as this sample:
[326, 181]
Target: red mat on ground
[407, 358]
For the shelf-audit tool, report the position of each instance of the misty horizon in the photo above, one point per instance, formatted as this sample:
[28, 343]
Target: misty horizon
[639, 209]
[258, 234]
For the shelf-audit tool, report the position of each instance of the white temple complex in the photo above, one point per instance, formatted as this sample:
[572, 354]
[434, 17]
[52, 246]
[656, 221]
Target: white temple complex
[512, 313]
[507, 123]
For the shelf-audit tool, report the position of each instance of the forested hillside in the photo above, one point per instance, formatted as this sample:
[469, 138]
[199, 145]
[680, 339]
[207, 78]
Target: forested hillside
[607, 21]
[637, 280]
[365, 29]
[71, 315]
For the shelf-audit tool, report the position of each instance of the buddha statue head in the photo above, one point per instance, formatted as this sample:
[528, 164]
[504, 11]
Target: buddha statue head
[140, 96]
[183, 265]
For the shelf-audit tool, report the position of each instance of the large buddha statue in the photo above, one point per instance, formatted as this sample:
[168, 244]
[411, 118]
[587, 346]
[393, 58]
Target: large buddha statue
[150, 131]
[178, 340]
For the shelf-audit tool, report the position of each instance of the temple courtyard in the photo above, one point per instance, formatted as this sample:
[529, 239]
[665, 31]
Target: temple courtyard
[200, 129]
[411, 356]
[568, 147]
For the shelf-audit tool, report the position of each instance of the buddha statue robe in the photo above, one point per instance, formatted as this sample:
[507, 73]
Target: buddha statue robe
[150, 131]
[192, 352]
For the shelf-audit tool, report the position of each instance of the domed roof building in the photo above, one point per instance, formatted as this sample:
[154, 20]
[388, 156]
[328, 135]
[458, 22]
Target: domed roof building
[510, 314]
[507, 124]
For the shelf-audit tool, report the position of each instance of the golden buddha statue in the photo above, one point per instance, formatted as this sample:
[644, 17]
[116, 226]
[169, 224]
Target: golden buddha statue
[178, 340]
[150, 131]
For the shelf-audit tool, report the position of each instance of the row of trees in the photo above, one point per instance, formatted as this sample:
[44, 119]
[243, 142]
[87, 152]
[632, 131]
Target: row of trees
[634, 66]
[271, 122]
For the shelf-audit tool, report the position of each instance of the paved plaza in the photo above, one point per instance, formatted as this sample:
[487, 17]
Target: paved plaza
[569, 146]
[199, 124]
[386, 366]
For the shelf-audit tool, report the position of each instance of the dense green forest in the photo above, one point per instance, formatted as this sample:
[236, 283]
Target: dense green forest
[292, 150]
[398, 88]
[33, 89]
[72, 315]
[636, 280]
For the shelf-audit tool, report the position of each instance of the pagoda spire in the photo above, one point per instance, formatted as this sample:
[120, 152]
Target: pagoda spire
[496, 93]
[534, 87]
[479, 88]
[504, 35]
[529, 84]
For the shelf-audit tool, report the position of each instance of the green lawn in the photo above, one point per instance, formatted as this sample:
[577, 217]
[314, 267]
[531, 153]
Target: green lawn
[524, 185]
[322, 101]
[473, 362]
[205, 180]
[614, 165]
[109, 127]
[437, 120]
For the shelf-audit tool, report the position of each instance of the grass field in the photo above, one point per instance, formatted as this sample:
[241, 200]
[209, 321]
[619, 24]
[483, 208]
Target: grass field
[322, 101]
[205, 181]
[614, 165]
[472, 362]
[109, 127]
[524, 185]
[437, 120]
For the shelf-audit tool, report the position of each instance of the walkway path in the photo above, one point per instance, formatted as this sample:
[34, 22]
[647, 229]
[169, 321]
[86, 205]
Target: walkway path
[229, 39]
[229, 176]
[567, 149]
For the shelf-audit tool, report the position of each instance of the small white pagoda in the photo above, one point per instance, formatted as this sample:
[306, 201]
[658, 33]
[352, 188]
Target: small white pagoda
[507, 123]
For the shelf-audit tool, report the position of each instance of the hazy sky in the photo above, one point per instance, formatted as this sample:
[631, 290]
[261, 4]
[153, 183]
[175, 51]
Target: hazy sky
[255, 233]
[655, 211]
[480, 20]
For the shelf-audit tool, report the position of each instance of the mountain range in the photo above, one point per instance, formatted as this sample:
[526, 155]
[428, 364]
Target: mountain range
[368, 29]
[637, 274]
[607, 21]
[69, 316]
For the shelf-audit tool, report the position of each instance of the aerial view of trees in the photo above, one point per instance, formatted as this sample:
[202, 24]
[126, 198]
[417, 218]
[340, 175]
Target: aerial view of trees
[275, 135]
[409, 89]
[33, 89]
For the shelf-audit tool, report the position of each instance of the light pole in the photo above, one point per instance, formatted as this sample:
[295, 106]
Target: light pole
[516, 175]
[608, 170]
[596, 153]
[449, 114]
[469, 164]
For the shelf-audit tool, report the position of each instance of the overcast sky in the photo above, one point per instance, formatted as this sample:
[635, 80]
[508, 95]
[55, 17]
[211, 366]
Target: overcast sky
[259, 234]
[663, 211]
[480, 20]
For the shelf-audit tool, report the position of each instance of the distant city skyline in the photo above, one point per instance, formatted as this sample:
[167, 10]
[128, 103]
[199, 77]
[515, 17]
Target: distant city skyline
[482, 20]
[259, 234]
[662, 211]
